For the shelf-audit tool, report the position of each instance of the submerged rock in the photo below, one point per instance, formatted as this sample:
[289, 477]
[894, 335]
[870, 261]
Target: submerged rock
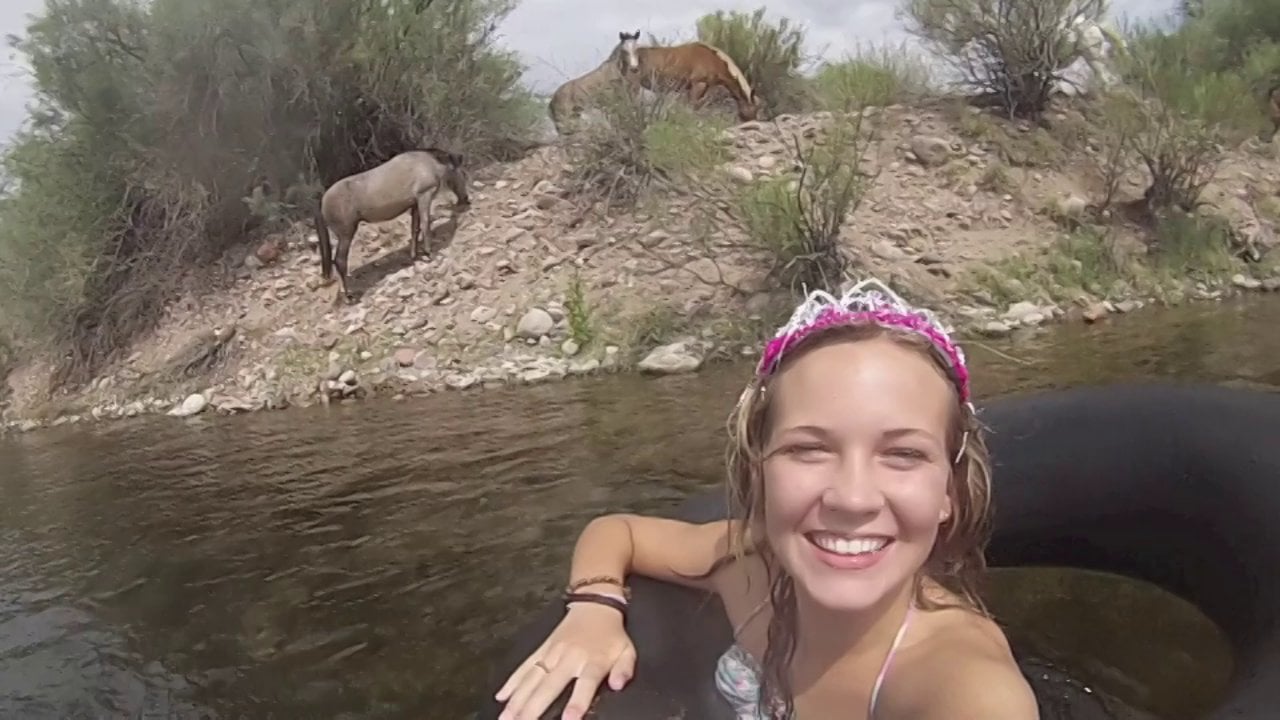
[192, 405]
[671, 359]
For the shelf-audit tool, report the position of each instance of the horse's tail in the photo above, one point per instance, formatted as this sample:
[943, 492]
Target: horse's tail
[553, 108]
[563, 105]
[735, 72]
[1273, 104]
[322, 233]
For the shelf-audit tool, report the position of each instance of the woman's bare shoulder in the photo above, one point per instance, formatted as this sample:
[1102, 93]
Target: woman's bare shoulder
[965, 670]
[982, 689]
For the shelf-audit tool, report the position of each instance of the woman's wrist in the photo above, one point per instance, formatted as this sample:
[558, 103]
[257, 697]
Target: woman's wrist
[602, 588]
[609, 584]
[606, 601]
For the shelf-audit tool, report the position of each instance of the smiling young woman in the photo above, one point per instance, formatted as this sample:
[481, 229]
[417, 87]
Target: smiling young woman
[859, 483]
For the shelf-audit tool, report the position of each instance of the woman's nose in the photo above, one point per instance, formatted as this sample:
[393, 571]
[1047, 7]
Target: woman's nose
[853, 489]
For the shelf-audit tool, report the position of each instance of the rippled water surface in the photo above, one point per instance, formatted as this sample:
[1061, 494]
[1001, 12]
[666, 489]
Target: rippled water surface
[370, 560]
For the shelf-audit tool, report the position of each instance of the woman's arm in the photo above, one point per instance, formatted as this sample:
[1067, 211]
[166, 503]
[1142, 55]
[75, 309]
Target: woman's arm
[614, 546]
[591, 643]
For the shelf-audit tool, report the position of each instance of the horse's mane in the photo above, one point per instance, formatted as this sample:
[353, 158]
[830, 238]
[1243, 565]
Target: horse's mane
[444, 156]
[734, 71]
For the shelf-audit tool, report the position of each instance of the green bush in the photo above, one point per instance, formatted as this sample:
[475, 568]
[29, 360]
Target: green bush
[609, 158]
[879, 78]
[154, 121]
[797, 222]
[1192, 246]
[1185, 70]
[682, 143]
[637, 141]
[1229, 29]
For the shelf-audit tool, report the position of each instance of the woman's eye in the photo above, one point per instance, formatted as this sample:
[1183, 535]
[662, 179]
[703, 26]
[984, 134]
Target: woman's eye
[908, 453]
[805, 451]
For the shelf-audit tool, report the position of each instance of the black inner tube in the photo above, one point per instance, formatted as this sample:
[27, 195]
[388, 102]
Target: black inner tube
[1177, 485]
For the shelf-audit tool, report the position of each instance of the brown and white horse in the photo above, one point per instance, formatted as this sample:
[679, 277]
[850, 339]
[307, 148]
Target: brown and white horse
[695, 68]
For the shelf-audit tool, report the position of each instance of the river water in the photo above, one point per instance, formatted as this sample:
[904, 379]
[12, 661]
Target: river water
[370, 560]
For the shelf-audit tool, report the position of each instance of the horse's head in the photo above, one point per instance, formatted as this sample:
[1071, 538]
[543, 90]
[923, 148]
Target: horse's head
[625, 53]
[456, 178]
[751, 109]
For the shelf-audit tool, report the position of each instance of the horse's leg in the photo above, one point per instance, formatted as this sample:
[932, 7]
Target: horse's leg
[415, 229]
[346, 234]
[424, 210]
[697, 90]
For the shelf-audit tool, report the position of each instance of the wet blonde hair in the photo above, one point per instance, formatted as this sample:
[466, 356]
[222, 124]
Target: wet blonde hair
[956, 561]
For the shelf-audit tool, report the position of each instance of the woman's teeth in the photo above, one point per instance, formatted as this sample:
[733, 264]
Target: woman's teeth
[845, 546]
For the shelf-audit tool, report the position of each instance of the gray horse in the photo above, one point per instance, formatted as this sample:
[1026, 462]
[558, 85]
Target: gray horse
[407, 182]
[574, 96]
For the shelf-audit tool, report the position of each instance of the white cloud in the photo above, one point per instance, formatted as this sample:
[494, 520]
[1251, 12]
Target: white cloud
[559, 39]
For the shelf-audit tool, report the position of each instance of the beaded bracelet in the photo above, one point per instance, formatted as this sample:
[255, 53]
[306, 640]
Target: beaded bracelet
[598, 598]
[599, 580]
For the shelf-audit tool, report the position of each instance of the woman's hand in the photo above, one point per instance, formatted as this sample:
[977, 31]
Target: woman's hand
[589, 644]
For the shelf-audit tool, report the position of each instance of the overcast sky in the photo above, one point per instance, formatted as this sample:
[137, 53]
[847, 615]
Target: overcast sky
[559, 39]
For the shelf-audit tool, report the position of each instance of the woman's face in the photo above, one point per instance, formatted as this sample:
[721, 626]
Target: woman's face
[857, 469]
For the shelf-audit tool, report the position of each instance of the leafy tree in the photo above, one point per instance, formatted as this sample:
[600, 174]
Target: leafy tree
[154, 120]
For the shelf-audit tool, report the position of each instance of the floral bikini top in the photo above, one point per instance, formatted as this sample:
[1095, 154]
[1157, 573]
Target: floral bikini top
[738, 674]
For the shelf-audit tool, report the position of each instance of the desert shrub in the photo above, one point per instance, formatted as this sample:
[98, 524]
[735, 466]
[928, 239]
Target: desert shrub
[769, 54]
[636, 141]
[797, 222]
[609, 161]
[1011, 51]
[1180, 154]
[1172, 120]
[882, 76]
[683, 144]
[154, 121]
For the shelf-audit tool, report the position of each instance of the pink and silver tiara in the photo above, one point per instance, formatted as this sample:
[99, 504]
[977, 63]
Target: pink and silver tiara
[868, 301]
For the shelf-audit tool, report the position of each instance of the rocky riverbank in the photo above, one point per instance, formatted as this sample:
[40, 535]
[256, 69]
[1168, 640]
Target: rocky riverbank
[967, 213]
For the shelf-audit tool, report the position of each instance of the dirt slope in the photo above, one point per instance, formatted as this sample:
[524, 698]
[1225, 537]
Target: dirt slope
[961, 215]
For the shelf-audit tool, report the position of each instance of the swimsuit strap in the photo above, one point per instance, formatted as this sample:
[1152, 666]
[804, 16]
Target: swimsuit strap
[884, 668]
[750, 616]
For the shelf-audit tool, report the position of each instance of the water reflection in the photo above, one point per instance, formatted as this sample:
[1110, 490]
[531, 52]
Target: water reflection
[369, 560]
[1170, 662]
